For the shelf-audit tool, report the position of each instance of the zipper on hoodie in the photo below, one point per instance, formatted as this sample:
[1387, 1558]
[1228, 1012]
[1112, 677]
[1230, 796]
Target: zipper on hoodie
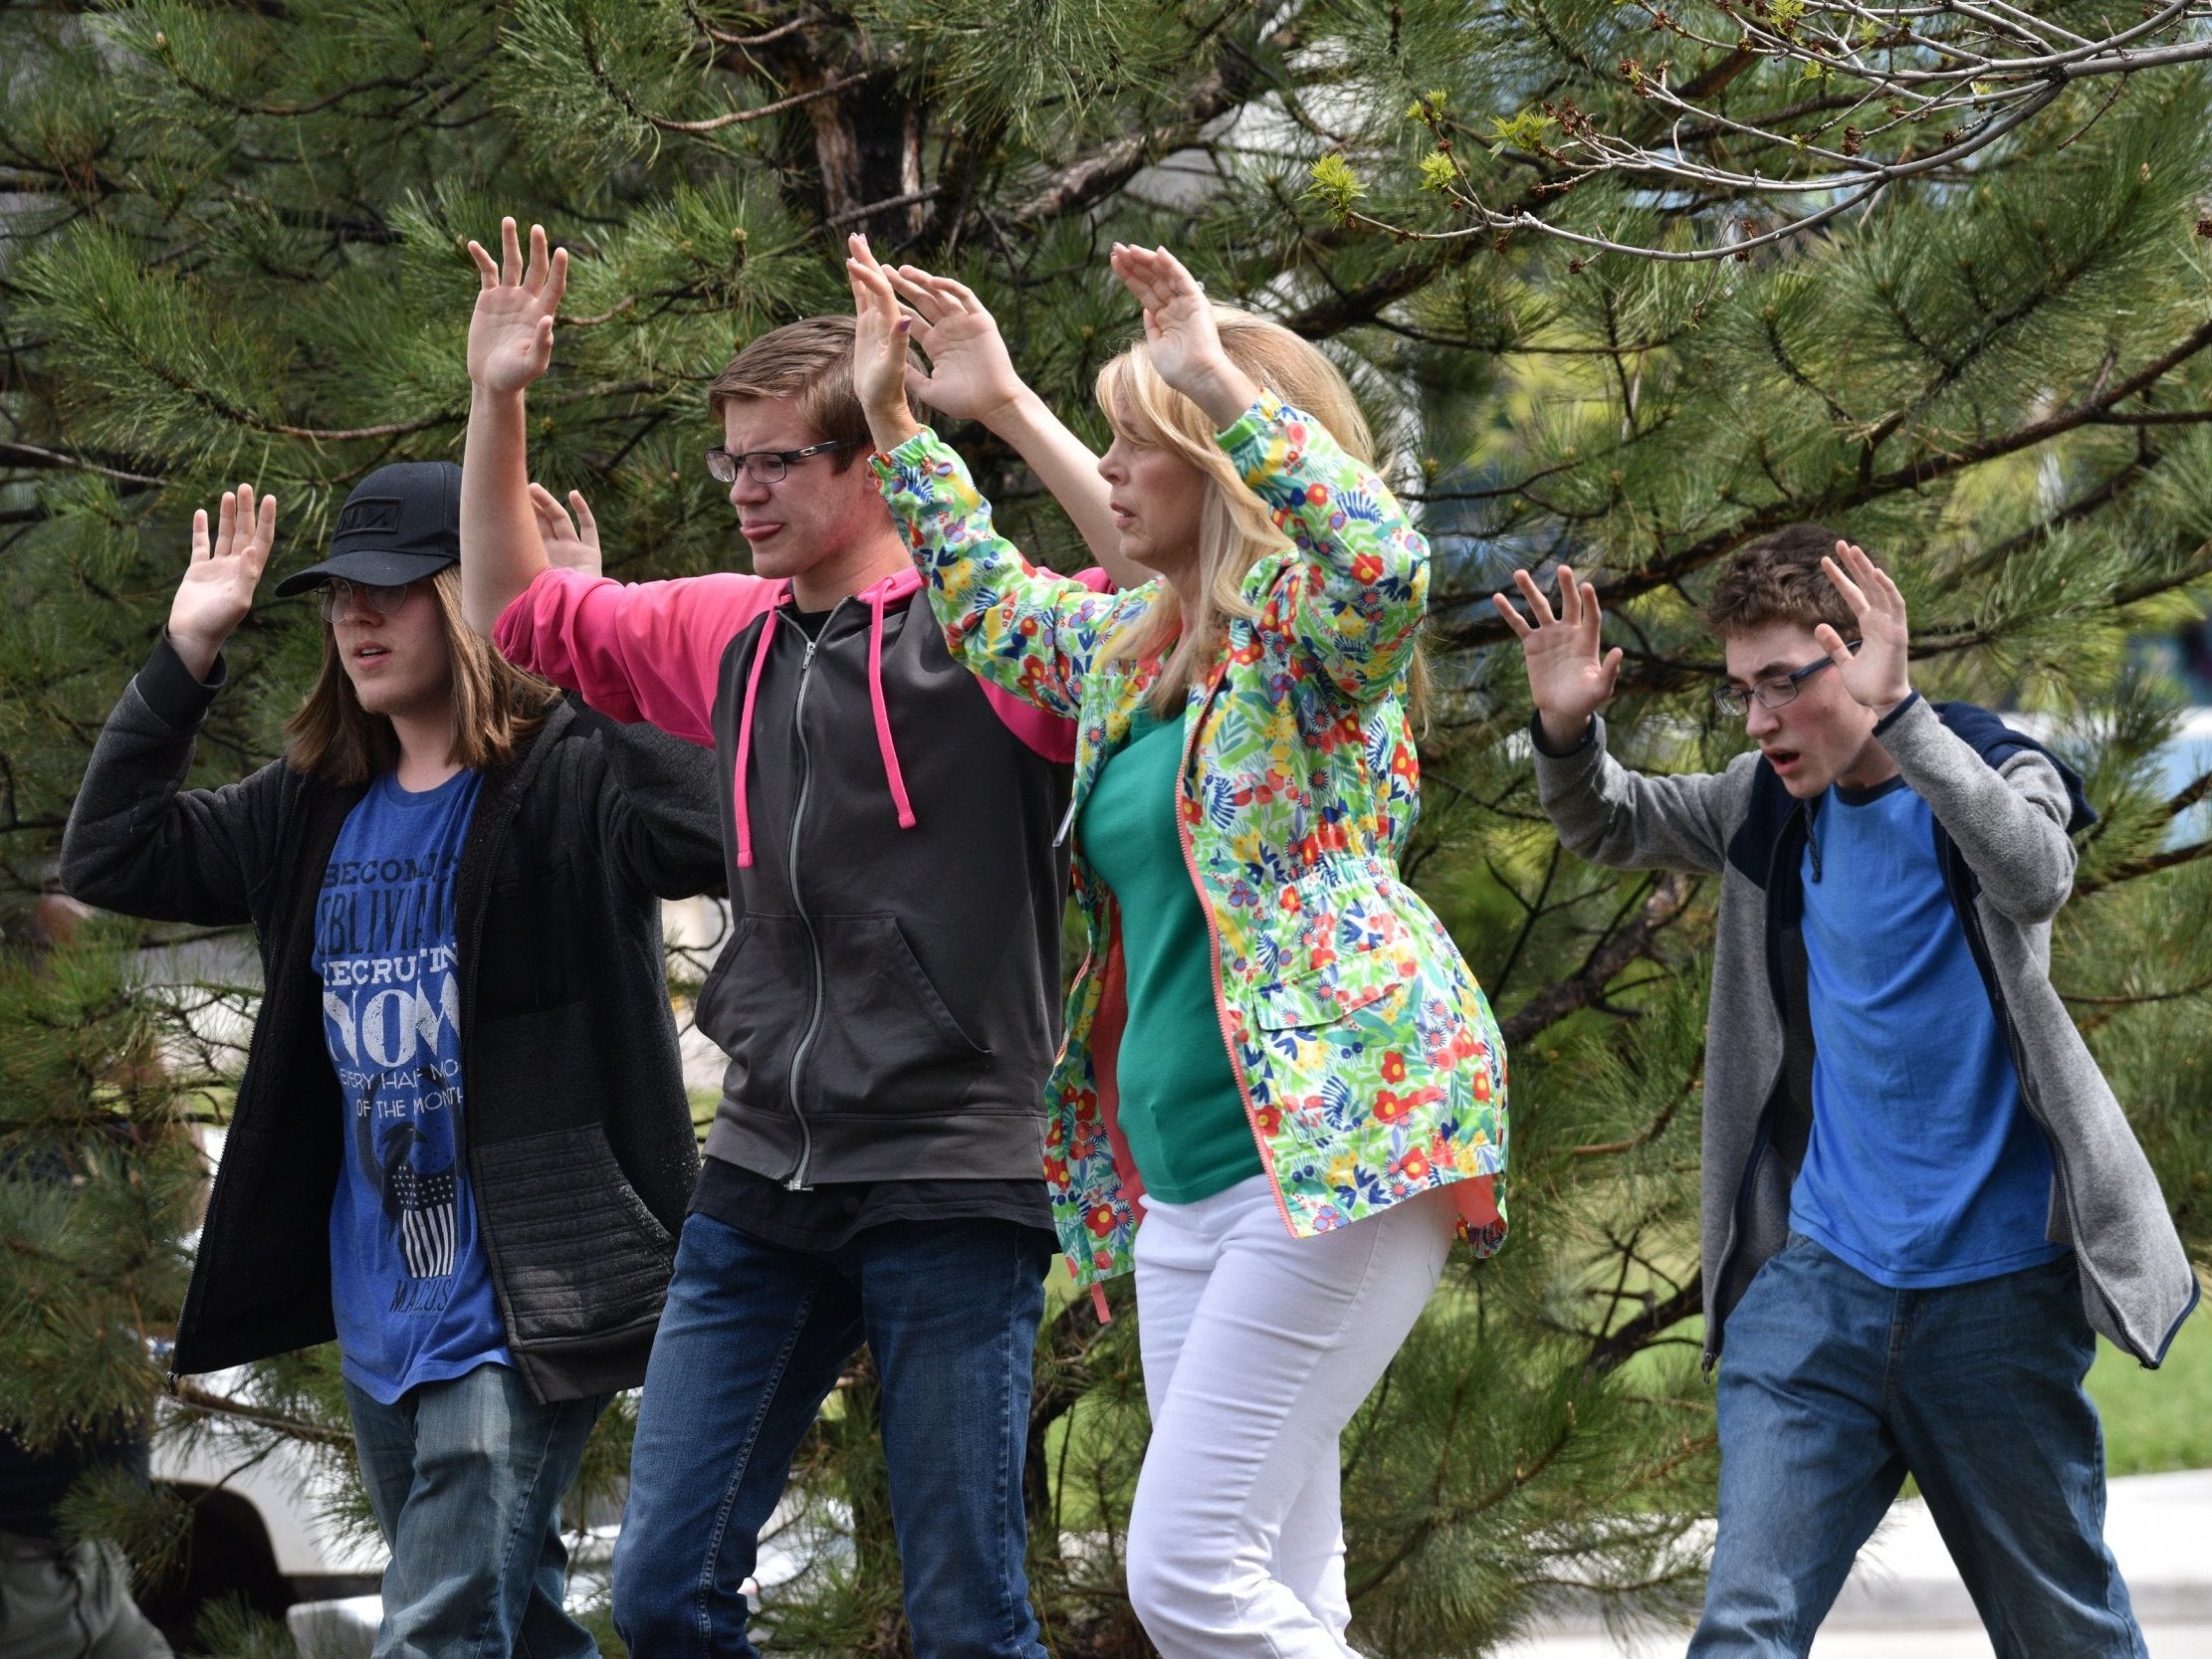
[797, 1182]
[1760, 1138]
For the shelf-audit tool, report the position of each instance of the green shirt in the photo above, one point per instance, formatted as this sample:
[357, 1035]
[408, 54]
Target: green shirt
[1180, 1108]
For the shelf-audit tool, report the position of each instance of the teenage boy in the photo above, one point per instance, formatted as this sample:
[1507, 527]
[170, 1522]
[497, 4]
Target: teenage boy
[889, 1000]
[1921, 1199]
[461, 1144]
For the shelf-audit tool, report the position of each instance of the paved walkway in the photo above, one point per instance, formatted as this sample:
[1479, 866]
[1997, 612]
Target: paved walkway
[1905, 1599]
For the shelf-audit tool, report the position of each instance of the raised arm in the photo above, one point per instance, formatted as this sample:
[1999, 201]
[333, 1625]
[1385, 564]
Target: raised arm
[971, 377]
[510, 345]
[569, 543]
[1571, 675]
[1603, 811]
[2009, 822]
[137, 841]
[1353, 602]
[1026, 630]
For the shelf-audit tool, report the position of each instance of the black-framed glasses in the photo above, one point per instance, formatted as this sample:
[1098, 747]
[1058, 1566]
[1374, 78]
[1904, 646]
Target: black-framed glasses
[370, 597]
[1735, 702]
[765, 465]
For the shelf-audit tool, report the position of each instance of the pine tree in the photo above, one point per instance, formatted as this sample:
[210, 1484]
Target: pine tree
[235, 252]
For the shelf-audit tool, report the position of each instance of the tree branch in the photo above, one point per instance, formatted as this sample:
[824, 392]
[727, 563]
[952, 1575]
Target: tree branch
[1669, 896]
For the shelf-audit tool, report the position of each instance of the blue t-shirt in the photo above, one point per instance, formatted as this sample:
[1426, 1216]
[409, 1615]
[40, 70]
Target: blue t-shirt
[409, 1282]
[1922, 1168]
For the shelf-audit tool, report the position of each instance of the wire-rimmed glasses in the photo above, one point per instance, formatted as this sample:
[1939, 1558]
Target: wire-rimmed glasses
[765, 465]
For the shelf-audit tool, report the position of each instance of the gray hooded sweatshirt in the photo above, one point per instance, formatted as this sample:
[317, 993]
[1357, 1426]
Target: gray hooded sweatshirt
[2004, 810]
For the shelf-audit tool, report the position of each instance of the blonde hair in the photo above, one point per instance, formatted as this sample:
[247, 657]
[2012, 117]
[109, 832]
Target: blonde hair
[1235, 529]
[496, 706]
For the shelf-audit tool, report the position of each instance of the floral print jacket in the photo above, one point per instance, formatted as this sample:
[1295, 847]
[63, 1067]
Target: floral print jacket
[1371, 1067]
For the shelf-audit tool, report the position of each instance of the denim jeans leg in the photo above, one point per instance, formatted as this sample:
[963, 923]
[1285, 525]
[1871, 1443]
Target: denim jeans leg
[951, 1311]
[1807, 1466]
[2008, 1450]
[384, 1446]
[750, 1342]
[486, 1468]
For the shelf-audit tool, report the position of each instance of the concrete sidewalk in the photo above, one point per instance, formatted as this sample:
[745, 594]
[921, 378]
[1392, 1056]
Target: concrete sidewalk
[1905, 1599]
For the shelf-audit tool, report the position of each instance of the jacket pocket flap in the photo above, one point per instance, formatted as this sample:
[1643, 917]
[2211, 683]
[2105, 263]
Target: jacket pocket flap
[1322, 997]
[1329, 941]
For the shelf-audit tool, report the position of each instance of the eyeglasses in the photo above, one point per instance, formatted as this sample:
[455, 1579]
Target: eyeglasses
[380, 601]
[765, 465]
[1735, 702]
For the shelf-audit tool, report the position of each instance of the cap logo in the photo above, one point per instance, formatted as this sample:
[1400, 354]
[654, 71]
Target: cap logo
[371, 514]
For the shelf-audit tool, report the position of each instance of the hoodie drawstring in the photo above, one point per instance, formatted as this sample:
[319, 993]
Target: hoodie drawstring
[745, 738]
[884, 745]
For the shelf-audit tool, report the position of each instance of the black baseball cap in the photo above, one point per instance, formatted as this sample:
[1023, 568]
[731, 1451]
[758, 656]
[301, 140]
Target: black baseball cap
[400, 524]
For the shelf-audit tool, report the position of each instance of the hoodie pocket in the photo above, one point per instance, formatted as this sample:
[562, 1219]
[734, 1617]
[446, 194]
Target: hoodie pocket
[888, 1044]
[580, 1254]
[754, 1006]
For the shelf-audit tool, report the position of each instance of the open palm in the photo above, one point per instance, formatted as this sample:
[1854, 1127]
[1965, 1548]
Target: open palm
[1570, 673]
[1179, 336]
[570, 543]
[1878, 674]
[972, 374]
[511, 332]
[880, 330]
[218, 586]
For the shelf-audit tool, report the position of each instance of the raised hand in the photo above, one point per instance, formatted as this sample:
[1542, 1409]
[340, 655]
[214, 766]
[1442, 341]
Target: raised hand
[881, 327]
[511, 334]
[1179, 336]
[572, 544]
[1878, 674]
[218, 586]
[1570, 675]
[970, 375]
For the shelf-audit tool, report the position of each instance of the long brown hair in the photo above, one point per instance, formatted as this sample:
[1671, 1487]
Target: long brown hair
[1235, 529]
[496, 706]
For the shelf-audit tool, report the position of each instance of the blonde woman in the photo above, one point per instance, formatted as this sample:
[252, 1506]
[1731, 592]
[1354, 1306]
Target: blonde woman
[1282, 1090]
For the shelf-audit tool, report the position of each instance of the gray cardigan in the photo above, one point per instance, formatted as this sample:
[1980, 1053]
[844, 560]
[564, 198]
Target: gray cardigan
[2002, 808]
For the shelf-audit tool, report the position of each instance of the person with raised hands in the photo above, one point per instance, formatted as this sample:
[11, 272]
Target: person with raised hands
[1282, 1090]
[875, 1169]
[461, 1144]
[1920, 1201]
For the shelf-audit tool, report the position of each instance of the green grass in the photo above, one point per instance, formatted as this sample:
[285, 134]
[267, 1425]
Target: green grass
[2160, 1419]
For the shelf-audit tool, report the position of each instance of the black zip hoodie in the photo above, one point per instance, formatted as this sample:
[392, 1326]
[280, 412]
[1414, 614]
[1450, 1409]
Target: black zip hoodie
[578, 1130]
[890, 996]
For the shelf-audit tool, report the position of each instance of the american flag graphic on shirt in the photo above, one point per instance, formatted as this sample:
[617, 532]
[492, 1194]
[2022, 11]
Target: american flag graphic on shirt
[427, 1220]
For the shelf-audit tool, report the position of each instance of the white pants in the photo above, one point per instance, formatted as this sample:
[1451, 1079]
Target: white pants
[1257, 1348]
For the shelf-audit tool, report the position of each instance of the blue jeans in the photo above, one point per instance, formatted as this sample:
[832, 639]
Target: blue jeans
[750, 1342]
[466, 1478]
[1833, 1389]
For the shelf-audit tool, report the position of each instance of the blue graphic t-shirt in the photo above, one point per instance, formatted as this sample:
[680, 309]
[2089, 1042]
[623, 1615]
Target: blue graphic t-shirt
[1923, 1167]
[409, 1282]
